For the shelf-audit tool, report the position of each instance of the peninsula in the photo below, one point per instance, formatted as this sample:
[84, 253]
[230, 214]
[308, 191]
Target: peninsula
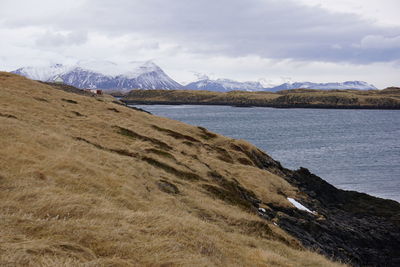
[388, 98]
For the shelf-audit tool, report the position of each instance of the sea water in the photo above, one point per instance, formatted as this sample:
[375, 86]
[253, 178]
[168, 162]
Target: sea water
[351, 149]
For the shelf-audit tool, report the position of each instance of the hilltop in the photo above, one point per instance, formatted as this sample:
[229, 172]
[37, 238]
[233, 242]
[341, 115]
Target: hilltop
[87, 180]
[295, 98]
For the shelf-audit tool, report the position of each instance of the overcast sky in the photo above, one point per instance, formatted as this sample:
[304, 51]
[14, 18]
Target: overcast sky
[268, 40]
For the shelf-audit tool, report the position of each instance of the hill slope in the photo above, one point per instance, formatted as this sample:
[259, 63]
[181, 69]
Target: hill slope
[87, 180]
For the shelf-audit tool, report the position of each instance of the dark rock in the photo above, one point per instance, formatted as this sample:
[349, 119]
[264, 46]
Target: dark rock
[167, 187]
[351, 227]
[347, 226]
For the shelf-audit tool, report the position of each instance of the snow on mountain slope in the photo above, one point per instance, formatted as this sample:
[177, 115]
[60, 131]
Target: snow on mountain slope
[359, 85]
[42, 73]
[147, 75]
[105, 75]
[223, 85]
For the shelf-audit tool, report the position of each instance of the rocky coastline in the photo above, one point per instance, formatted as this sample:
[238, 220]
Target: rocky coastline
[347, 226]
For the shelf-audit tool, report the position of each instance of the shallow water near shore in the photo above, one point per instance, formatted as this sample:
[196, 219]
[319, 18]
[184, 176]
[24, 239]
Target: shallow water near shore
[351, 149]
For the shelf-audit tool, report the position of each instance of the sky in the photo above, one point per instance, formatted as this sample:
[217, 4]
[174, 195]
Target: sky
[272, 41]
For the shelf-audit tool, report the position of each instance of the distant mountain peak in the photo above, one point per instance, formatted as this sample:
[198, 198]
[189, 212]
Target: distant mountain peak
[148, 75]
[223, 85]
[105, 75]
[358, 85]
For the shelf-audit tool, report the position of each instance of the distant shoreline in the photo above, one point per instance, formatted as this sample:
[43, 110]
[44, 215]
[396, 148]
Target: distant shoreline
[305, 106]
[298, 98]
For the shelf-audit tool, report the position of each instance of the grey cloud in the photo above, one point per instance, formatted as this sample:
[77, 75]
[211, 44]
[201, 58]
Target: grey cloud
[54, 39]
[267, 28]
[378, 41]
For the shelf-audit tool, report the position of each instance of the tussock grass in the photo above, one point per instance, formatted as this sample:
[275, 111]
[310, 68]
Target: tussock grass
[109, 197]
[175, 135]
[205, 134]
[8, 116]
[69, 101]
[114, 109]
[167, 187]
[172, 170]
[133, 135]
[161, 153]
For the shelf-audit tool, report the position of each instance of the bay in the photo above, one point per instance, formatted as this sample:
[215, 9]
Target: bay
[351, 149]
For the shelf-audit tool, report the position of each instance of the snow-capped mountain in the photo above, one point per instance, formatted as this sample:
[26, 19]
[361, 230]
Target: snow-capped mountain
[104, 75]
[224, 85]
[42, 73]
[147, 75]
[359, 85]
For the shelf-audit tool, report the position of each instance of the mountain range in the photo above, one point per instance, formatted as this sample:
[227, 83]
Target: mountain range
[223, 85]
[104, 75]
[359, 85]
[147, 75]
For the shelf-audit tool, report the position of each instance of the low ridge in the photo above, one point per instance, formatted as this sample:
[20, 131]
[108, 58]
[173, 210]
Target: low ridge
[296, 98]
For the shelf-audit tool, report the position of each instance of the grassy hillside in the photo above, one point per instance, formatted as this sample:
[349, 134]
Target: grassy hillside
[84, 180]
[297, 98]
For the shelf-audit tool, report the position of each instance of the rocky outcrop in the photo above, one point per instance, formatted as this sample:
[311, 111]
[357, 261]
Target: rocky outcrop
[348, 226]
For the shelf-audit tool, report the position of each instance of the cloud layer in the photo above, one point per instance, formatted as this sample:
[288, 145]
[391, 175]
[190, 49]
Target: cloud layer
[268, 29]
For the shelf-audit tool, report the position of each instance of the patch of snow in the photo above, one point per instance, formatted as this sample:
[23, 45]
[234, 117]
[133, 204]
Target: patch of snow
[224, 85]
[137, 68]
[298, 205]
[262, 210]
[43, 73]
[104, 67]
[358, 85]
[105, 75]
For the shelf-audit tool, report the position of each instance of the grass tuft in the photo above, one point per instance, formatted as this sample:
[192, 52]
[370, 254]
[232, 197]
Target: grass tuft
[176, 135]
[205, 134]
[8, 116]
[167, 187]
[169, 169]
[114, 109]
[69, 101]
[161, 153]
[131, 134]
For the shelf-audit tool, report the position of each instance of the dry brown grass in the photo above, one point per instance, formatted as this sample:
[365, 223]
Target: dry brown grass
[388, 98]
[74, 191]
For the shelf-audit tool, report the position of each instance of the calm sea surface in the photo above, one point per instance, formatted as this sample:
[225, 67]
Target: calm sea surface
[352, 149]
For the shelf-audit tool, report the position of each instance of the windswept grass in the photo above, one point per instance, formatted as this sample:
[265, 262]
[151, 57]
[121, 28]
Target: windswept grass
[111, 190]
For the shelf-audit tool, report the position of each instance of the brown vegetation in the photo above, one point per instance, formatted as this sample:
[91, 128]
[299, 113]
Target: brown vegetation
[298, 98]
[125, 188]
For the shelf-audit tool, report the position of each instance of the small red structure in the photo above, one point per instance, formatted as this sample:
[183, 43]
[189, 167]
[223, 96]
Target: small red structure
[95, 91]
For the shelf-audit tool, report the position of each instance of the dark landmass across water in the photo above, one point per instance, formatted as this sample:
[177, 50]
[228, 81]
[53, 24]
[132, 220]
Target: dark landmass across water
[388, 98]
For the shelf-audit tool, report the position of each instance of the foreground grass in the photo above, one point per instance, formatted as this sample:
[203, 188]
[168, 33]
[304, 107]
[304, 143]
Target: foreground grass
[87, 182]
